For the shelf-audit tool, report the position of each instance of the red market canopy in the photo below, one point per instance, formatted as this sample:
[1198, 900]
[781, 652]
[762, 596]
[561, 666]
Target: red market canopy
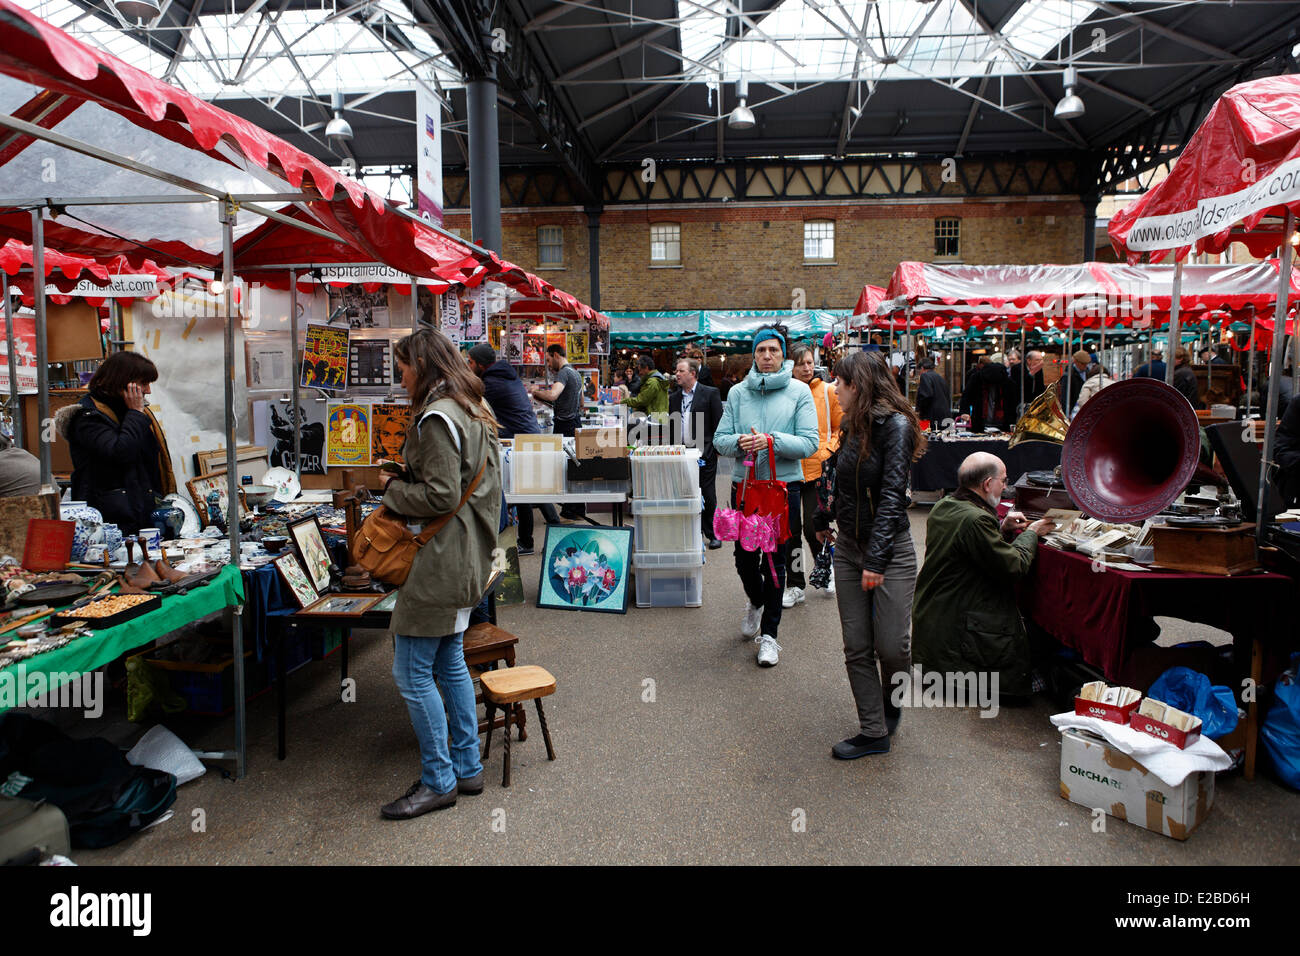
[1082, 295]
[1241, 164]
[179, 147]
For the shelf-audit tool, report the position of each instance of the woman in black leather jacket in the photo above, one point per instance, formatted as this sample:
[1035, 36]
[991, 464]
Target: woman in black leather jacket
[875, 562]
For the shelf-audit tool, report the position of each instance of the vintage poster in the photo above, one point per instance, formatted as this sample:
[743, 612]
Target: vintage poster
[514, 348]
[451, 320]
[577, 346]
[474, 307]
[495, 335]
[274, 425]
[599, 342]
[590, 383]
[557, 338]
[364, 310]
[370, 362]
[534, 349]
[347, 433]
[325, 357]
[24, 355]
[270, 359]
[427, 317]
[388, 424]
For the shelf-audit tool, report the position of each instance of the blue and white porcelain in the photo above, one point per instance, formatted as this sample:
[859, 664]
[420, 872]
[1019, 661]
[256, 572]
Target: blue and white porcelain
[112, 538]
[88, 522]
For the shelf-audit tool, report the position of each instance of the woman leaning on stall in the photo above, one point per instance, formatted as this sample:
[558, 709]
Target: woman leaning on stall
[875, 562]
[450, 445]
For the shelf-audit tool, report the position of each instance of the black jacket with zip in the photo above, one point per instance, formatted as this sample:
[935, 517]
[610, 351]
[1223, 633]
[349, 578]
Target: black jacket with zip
[869, 496]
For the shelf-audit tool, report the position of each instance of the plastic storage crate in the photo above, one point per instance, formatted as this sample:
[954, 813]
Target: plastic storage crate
[668, 579]
[667, 524]
[536, 472]
[665, 472]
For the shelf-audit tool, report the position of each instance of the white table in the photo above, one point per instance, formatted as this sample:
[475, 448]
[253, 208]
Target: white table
[616, 496]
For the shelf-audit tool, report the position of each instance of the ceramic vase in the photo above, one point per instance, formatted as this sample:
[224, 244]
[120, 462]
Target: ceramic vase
[88, 520]
[169, 520]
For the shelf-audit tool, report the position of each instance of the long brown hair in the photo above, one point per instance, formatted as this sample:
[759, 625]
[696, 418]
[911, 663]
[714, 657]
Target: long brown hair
[438, 365]
[876, 393]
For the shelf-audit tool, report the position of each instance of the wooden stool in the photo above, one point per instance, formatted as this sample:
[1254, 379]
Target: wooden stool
[485, 646]
[508, 687]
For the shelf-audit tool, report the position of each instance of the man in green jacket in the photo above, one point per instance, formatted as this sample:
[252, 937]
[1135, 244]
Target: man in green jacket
[964, 616]
[653, 397]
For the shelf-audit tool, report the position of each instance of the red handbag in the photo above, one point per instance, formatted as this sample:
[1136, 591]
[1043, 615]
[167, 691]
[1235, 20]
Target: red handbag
[767, 496]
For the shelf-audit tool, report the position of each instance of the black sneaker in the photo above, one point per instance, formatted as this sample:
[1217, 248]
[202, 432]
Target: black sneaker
[860, 746]
[524, 549]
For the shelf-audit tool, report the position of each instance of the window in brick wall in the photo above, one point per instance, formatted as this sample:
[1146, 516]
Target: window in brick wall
[947, 238]
[819, 240]
[666, 244]
[550, 246]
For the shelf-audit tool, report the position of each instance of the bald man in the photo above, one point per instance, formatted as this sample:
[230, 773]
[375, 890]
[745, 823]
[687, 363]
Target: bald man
[964, 616]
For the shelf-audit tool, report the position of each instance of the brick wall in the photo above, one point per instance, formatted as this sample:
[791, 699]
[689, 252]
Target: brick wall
[750, 256]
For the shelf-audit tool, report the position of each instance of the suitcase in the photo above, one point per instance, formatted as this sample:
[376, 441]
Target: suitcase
[31, 831]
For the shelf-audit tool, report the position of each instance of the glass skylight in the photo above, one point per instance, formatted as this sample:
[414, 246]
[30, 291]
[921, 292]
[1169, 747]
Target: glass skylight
[818, 40]
[226, 58]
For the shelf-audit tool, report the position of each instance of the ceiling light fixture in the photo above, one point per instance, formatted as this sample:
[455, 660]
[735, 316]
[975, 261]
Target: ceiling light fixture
[137, 11]
[742, 117]
[338, 128]
[1070, 107]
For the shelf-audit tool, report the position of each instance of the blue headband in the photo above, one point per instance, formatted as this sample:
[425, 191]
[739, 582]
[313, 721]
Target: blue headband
[762, 335]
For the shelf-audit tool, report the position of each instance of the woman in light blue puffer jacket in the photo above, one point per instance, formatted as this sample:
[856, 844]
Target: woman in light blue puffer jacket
[769, 401]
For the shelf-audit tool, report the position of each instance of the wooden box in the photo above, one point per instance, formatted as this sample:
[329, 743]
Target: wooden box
[1205, 550]
[1034, 501]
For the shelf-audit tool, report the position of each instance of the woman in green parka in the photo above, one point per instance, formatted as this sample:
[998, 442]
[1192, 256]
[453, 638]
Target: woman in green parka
[451, 447]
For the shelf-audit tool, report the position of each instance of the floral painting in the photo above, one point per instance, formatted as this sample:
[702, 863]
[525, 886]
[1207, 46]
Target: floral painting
[585, 569]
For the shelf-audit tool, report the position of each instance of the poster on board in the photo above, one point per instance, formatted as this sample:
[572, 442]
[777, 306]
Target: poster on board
[347, 433]
[325, 358]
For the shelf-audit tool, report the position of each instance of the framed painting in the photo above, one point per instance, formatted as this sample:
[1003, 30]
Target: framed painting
[312, 549]
[295, 577]
[586, 569]
[200, 488]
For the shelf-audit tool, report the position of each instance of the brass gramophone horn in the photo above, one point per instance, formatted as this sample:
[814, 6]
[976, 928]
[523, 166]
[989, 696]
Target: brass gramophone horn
[1043, 420]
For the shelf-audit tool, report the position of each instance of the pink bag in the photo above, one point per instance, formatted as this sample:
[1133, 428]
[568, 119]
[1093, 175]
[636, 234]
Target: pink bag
[758, 533]
[727, 521]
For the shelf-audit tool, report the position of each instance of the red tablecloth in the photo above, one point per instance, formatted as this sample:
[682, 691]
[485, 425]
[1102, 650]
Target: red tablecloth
[1105, 614]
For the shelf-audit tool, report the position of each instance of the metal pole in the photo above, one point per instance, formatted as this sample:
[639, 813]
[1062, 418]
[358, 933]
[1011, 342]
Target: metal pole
[294, 374]
[1250, 367]
[228, 213]
[13, 365]
[415, 305]
[906, 335]
[42, 356]
[484, 162]
[1175, 335]
[1274, 379]
[1069, 362]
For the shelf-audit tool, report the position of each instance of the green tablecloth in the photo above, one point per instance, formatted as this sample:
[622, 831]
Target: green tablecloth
[85, 654]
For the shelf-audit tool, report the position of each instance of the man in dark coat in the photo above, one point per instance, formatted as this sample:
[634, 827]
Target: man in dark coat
[1185, 379]
[1154, 368]
[933, 396]
[1026, 382]
[1074, 377]
[964, 616]
[505, 394]
[1287, 455]
[694, 410]
[984, 402]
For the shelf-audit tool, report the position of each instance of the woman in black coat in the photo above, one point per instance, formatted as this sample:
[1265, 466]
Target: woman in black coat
[120, 461]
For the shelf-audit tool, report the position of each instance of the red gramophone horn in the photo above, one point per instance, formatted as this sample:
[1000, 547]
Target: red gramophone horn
[1131, 450]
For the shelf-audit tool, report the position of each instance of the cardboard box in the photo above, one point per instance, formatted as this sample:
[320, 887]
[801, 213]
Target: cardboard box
[548, 442]
[1107, 712]
[1096, 775]
[592, 443]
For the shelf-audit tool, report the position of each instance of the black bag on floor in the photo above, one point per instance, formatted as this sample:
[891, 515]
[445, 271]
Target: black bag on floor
[104, 797]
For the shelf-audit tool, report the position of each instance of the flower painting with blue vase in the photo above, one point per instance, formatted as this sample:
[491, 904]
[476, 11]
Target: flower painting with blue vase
[585, 569]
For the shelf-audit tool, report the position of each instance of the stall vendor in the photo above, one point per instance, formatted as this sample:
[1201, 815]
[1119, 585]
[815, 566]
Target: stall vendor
[653, 397]
[120, 461]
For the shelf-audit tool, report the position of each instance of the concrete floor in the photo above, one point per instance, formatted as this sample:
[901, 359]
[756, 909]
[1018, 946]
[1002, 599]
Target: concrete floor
[722, 767]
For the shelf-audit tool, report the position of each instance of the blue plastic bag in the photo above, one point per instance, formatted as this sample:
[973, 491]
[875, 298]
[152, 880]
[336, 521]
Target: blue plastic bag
[1191, 692]
[1280, 732]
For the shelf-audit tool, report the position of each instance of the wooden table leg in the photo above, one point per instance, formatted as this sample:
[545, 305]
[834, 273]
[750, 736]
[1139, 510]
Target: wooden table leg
[1252, 708]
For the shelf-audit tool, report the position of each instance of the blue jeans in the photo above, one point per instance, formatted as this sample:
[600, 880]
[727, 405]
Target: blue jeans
[419, 665]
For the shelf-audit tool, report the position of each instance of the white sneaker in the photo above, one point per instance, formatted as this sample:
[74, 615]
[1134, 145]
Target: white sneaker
[752, 622]
[792, 597]
[767, 648]
[830, 588]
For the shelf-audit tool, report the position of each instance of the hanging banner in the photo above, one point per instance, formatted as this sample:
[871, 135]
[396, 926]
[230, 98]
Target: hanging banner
[24, 355]
[428, 151]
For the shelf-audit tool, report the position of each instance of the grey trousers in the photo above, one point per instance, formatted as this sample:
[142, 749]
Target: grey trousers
[877, 626]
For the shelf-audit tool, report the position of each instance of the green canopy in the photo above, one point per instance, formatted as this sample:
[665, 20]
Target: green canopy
[731, 330]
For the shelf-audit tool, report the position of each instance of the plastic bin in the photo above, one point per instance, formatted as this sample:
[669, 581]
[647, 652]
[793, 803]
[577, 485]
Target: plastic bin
[537, 472]
[669, 579]
[651, 507]
[660, 533]
[658, 474]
